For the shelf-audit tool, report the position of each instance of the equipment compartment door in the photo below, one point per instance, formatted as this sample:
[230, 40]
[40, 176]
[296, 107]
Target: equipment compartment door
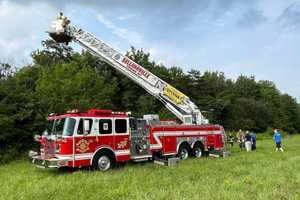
[121, 135]
[169, 144]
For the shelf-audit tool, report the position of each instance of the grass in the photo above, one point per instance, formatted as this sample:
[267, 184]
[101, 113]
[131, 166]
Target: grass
[263, 174]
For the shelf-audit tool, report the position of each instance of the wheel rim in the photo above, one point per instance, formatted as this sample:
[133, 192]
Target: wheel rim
[103, 163]
[184, 154]
[198, 152]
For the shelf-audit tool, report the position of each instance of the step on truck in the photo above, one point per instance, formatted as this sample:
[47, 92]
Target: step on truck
[102, 138]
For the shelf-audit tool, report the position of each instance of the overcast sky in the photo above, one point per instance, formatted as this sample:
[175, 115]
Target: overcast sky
[251, 37]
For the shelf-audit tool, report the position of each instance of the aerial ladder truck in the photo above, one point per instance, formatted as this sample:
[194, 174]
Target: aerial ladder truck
[101, 138]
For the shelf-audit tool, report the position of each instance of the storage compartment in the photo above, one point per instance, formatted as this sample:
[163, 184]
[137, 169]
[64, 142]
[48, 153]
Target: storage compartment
[139, 137]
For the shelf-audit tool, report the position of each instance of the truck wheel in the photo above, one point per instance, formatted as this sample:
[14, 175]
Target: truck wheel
[183, 152]
[103, 162]
[198, 150]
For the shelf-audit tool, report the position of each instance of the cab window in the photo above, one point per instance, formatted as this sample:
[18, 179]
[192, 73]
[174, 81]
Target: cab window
[84, 126]
[121, 126]
[105, 126]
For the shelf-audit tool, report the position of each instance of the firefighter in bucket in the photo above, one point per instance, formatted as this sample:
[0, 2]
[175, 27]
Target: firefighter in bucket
[60, 28]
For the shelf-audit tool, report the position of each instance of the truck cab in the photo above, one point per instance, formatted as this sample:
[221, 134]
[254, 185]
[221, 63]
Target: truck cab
[73, 139]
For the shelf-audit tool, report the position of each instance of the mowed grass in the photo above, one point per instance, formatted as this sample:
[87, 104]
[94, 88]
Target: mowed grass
[263, 174]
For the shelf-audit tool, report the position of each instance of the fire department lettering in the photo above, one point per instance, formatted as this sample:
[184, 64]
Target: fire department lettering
[82, 146]
[135, 68]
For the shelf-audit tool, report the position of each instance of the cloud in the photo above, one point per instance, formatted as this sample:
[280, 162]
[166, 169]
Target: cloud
[290, 18]
[127, 17]
[131, 36]
[21, 29]
[251, 18]
[171, 14]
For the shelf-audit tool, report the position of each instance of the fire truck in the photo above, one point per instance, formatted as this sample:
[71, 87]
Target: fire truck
[103, 138]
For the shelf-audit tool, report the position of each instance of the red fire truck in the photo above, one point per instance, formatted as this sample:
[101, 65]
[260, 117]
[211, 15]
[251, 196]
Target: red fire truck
[102, 138]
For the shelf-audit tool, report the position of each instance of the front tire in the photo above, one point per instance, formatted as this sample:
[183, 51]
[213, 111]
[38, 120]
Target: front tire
[103, 162]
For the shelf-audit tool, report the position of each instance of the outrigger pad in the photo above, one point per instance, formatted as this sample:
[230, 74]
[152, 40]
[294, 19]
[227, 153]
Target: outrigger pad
[60, 37]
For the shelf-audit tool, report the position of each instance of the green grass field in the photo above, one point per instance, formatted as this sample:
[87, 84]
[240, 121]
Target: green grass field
[263, 174]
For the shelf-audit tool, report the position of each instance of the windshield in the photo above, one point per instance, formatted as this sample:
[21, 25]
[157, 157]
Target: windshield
[49, 128]
[59, 126]
[69, 127]
[63, 126]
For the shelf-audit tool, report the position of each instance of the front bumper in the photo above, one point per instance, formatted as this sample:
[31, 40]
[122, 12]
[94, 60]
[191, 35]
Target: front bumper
[41, 162]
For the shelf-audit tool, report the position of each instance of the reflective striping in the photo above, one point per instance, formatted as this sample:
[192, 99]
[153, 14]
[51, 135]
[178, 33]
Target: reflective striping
[156, 135]
[122, 152]
[168, 154]
[141, 157]
[69, 156]
[83, 156]
[88, 156]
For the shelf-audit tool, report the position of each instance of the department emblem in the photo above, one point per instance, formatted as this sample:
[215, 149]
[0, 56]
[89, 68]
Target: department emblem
[82, 146]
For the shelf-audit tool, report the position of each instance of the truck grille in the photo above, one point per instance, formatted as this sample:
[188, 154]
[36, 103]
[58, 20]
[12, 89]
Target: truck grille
[49, 147]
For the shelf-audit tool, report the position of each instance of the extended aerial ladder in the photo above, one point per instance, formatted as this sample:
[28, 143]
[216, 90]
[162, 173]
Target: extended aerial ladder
[178, 103]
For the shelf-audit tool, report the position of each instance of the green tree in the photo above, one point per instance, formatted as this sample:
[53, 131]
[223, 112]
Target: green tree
[247, 114]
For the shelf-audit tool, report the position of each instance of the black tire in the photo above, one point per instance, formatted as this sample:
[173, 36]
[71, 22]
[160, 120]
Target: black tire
[198, 150]
[183, 152]
[104, 161]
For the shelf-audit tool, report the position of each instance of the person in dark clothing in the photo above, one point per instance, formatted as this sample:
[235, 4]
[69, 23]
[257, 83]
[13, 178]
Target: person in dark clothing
[253, 136]
[248, 141]
[230, 139]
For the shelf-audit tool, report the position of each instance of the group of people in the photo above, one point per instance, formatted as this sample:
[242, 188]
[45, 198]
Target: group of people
[247, 140]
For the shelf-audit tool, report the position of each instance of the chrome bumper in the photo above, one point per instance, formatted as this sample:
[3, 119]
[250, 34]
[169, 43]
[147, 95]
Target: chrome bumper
[41, 162]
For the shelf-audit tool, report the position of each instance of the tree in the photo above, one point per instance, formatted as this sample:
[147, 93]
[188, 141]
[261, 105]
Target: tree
[246, 87]
[6, 71]
[74, 85]
[247, 114]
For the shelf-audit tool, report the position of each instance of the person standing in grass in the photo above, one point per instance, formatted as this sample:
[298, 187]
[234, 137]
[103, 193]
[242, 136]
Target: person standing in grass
[253, 138]
[241, 138]
[277, 139]
[230, 139]
[248, 141]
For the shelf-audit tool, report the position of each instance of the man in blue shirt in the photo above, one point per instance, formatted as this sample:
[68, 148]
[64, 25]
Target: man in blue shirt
[277, 139]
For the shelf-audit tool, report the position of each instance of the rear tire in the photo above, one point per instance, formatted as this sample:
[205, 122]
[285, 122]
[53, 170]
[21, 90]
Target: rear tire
[103, 162]
[183, 152]
[198, 150]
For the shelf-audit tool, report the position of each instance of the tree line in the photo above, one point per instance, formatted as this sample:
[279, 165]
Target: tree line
[59, 79]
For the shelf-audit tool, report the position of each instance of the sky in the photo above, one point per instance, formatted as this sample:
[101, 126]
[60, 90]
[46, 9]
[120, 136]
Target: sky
[249, 37]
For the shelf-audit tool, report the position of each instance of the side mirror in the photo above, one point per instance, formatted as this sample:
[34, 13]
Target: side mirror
[86, 127]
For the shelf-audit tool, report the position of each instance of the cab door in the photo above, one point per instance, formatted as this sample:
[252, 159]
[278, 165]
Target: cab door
[121, 137]
[85, 141]
[106, 136]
